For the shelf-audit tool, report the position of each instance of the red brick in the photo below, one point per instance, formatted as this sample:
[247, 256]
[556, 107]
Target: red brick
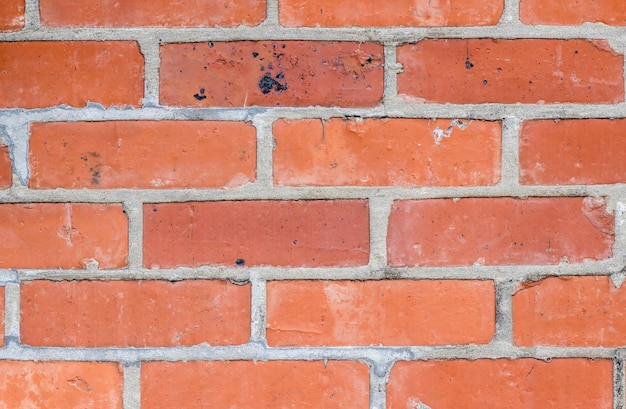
[155, 13]
[491, 231]
[246, 384]
[282, 233]
[48, 385]
[287, 73]
[376, 312]
[332, 13]
[468, 71]
[134, 313]
[11, 15]
[570, 311]
[386, 152]
[62, 235]
[569, 152]
[144, 154]
[6, 170]
[611, 12]
[1, 316]
[39, 74]
[502, 383]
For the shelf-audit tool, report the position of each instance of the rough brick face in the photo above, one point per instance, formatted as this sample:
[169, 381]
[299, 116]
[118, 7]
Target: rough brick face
[5, 167]
[377, 312]
[287, 233]
[271, 73]
[475, 71]
[273, 384]
[162, 13]
[570, 311]
[329, 13]
[502, 383]
[127, 154]
[611, 12]
[1, 316]
[134, 313]
[569, 152]
[386, 152]
[47, 73]
[11, 15]
[63, 235]
[96, 385]
[491, 231]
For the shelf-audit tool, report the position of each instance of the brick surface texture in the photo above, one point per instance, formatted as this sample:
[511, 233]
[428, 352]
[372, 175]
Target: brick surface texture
[312, 204]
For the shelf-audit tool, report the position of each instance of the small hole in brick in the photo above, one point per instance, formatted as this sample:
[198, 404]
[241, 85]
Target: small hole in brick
[240, 262]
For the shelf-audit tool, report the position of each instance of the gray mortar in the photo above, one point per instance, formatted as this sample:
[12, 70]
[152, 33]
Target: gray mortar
[14, 132]
[132, 380]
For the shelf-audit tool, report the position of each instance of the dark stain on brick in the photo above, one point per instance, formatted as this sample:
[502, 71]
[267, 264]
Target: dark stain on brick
[200, 95]
[268, 84]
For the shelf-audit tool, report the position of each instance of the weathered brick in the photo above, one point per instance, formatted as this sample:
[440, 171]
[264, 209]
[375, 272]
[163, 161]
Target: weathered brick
[473, 71]
[611, 12]
[11, 15]
[143, 154]
[243, 384]
[491, 231]
[386, 152]
[330, 13]
[6, 170]
[502, 383]
[567, 152]
[270, 73]
[134, 313]
[94, 385]
[570, 311]
[377, 312]
[281, 233]
[62, 235]
[1, 316]
[155, 13]
[38, 74]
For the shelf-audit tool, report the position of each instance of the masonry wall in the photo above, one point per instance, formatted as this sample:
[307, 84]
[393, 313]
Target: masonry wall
[326, 204]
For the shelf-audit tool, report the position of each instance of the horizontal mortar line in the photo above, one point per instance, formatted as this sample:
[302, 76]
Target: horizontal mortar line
[258, 192]
[241, 275]
[258, 352]
[269, 32]
[399, 109]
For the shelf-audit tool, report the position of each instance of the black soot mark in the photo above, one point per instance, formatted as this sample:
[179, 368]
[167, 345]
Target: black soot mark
[268, 84]
[200, 96]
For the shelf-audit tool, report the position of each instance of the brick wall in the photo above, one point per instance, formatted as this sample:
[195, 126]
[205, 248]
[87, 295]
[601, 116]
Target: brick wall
[325, 203]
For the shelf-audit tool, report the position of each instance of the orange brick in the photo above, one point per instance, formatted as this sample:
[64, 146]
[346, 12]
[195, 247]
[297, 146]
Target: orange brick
[49, 385]
[144, 154]
[159, 13]
[570, 311]
[11, 15]
[386, 152]
[1, 316]
[491, 231]
[282, 233]
[473, 71]
[377, 312]
[6, 170]
[134, 313]
[62, 235]
[246, 384]
[611, 12]
[330, 13]
[502, 383]
[40, 74]
[567, 152]
[270, 73]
